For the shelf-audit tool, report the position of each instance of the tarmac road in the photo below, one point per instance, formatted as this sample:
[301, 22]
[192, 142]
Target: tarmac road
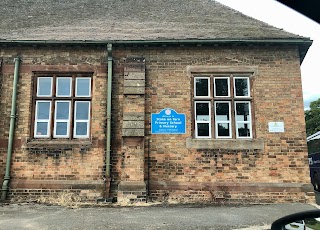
[36, 216]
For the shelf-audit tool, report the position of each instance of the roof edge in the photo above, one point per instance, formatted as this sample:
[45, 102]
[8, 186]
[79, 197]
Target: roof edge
[303, 43]
[164, 41]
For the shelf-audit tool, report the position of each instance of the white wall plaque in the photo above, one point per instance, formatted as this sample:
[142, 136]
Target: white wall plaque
[276, 127]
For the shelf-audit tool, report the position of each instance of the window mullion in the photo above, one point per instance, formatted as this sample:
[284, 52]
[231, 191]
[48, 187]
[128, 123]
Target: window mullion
[211, 105]
[52, 117]
[72, 122]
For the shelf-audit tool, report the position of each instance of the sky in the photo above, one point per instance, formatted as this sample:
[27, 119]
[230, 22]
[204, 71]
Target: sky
[280, 16]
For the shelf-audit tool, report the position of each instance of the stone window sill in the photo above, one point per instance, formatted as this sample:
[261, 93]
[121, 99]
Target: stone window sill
[233, 144]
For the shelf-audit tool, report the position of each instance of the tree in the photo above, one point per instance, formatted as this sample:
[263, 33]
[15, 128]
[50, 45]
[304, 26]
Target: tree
[312, 117]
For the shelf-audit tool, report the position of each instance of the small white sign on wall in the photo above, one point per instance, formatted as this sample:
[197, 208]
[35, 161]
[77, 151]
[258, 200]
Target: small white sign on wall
[276, 127]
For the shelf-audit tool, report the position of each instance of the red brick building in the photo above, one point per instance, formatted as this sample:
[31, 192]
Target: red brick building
[182, 101]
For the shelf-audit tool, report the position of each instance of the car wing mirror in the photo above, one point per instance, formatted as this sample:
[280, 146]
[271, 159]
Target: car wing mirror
[308, 220]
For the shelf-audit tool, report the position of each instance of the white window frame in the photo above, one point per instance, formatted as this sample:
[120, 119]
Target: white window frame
[234, 86]
[61, 120]
[57, 86]
[38, 85]
[82, 120]
[243, 122]
[223, 122]
[195, 87]
[36, 120]
[202, 122]
[214, 87]
[76, 87]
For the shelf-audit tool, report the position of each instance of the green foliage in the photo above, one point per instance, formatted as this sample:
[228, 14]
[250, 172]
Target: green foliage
[312, 117]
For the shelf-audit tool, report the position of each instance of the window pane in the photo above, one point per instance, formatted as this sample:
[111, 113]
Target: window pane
[203, 130]
[44, 86]
[81, 128]
[244, 130]
[242, 112]
[222, 112]
[42, 128]
[43, 110]
[82, 110]
[83, 87]
[62, 110]
[202, 87]
[242, 87]
[223, 130]
[202, 112]
[221, 87]
[61, 128]
[64, 87]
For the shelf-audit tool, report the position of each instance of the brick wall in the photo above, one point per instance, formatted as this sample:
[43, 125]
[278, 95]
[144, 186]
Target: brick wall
[181, 169]
[53, 166]
[282, 160]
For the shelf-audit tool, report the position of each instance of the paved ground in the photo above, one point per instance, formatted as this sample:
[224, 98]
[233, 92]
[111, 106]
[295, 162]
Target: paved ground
[35, 216]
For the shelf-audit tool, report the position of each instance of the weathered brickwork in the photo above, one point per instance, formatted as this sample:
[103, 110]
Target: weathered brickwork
[54, 165]
[283, 157]
[132, 187]
[227, 197]
[275, 164]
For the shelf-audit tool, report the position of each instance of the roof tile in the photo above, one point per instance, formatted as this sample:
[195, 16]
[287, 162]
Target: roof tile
[98, 20]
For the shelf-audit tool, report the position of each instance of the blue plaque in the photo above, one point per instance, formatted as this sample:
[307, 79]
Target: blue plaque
[168, 121]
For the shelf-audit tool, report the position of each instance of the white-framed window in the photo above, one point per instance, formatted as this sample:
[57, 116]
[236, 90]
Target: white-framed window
[241, 87]
[243, 119]
[83, 87]
[42, 119]
[81, 119]
[44, 87]
[225, 111]
[63, 86]
[62, 119]
[62, 106]
[221, 86]
[222, 111]
[203, 118]
[202, 87]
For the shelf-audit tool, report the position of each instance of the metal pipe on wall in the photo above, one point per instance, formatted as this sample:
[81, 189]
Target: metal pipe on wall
[109, 96]
[5, 186]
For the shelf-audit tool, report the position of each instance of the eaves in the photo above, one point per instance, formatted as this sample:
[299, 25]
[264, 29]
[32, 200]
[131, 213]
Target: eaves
[302, 43]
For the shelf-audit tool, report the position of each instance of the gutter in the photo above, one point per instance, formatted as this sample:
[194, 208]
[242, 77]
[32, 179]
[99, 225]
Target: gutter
[302, 43]
[164, 41]
[5, 186]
